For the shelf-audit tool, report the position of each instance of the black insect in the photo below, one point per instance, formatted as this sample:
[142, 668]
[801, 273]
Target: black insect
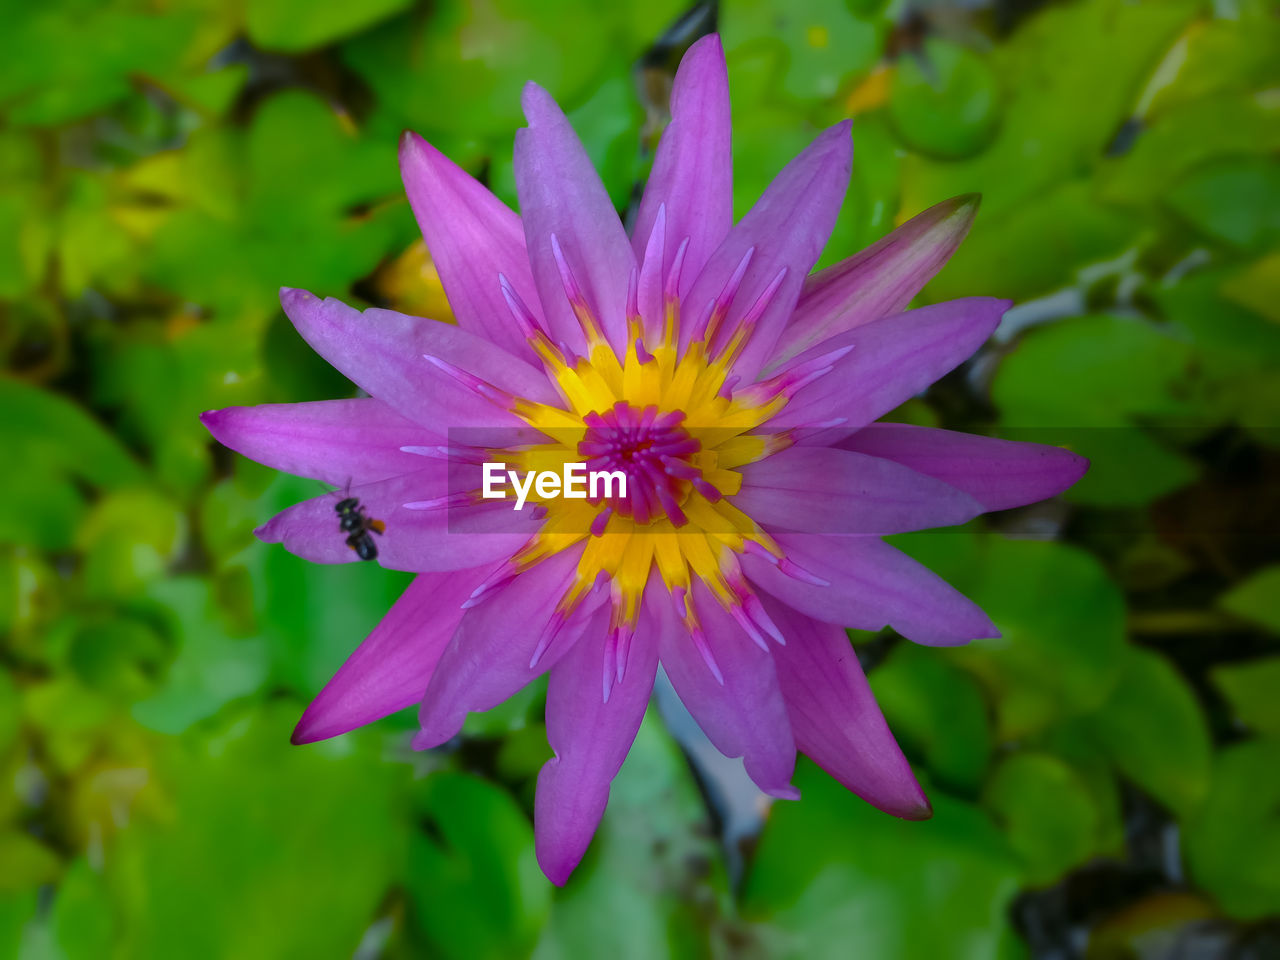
[357, 526]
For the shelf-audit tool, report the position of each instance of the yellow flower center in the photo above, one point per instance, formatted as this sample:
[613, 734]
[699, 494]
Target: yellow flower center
[670, 420]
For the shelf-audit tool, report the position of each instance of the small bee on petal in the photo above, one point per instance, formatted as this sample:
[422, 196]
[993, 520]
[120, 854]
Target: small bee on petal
[357, 526]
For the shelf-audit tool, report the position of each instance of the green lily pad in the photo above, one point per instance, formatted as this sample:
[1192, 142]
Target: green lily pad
[297, 25]
[1061, 111]
[945, 102]
[64, 61]
[1093, 380]
[467, 63]
[1154, 730]
[823, 42]
[1235, 201]
[1062, 620]
[1185, 137]
[1048, 814]
[1257, 598]
[82, 922]
[255, 815]
[210, 669]
[1233, 845]
[652, 880]
[833, 877]
[1251, 688]
[1064, 230]
[937, 712]
[475, 887]
[27, 862]
[1223, 54]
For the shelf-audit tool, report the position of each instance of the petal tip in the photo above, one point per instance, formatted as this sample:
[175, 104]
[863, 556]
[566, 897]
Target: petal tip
[534, 100]
[294, 297]
[922, 811]
[705, 45]
[305, 731]
[558, 869]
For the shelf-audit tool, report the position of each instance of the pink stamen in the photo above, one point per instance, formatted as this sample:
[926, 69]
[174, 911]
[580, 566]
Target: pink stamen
[707, 489]
[679, 596]
[723, 303]
[755, 610]
[601, 521]
[633, 294]
[439, 503]
[502, 575]
[797, 572]
[747, 326]
[757, 549]
[524, 317]
[471, 382]
[651, 278]
[610, 665]
[652, 450]
[671, 292]
[443, 452]
[700, 644]
[548, 635]
[625, 633]
[793, 380]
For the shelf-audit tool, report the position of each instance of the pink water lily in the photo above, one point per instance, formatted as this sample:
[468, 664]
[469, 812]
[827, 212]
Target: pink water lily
[734, 391]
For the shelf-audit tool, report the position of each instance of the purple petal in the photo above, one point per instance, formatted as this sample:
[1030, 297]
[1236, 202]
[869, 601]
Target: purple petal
[824, 490]
[391, 669]
[999, 474]
[489, 658]
[561, 195]
[891, 361]
[744, 716]
[834, 715]
[334, 441]
[590, 738]
[870, 585]
[383, 353]
[473, 237]
[878, 281]
[787, 229]
[692, 173]
[447, 538]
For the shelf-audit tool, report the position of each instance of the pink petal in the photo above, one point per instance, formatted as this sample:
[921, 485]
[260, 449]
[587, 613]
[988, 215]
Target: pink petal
[744, 716]
[446, 538]
[383, 353]
[334, 441]
[590, 738]
[891, 361]
[561, 195]
[999, 474]
[824, 490]
[488, 659]
[391, 668]
[870, 585]
[878, 281]
[692, 173]
[834, 715]
[787, 229]
[473, 237]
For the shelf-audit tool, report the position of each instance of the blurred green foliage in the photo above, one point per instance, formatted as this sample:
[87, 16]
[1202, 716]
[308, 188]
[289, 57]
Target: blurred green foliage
[1105, 776]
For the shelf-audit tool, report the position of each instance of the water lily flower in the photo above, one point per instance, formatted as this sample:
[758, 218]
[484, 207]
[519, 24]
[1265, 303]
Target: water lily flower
[735, 392]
